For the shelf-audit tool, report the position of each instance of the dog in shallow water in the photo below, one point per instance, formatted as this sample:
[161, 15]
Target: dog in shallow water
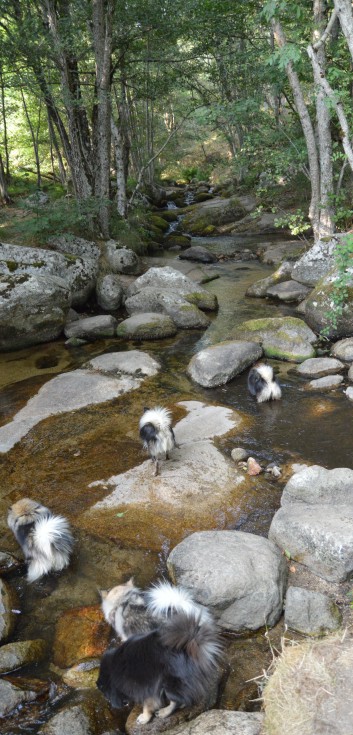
[262, 383]
[45, 539]
[130, 611]
[172, 666]
[157, 434]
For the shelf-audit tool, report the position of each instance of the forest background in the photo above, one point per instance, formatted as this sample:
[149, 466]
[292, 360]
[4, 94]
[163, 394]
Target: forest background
[102, 100]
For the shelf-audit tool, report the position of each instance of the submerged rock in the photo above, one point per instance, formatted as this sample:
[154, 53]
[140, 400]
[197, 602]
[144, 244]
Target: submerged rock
[8, 563]
[7, 617]
[193, 489]
[80, 634]
[90, 716]
[79, 388]
[259, 288]
[21, 653]
[15, 694]
[329, 382]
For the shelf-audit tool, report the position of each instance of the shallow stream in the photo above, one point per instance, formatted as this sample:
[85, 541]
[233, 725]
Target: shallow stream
[58, 459]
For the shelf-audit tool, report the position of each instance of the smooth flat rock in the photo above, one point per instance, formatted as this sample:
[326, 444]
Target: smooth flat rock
[92, 327]
[288, 291]
[318, 367]
[220, 363]
[149, 325]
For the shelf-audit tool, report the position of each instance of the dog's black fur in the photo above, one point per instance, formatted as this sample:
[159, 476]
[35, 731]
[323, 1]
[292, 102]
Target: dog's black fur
[172, 665]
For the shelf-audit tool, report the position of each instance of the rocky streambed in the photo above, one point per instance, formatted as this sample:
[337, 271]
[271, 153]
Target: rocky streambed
[69, 438]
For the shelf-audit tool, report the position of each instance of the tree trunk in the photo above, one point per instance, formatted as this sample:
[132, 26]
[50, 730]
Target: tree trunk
[6, 168]
[34, 140]
[4, 195]
[121, 201]
[308, 130]
[344, 11]
[102, 42]
[79, 136]
[327, 225]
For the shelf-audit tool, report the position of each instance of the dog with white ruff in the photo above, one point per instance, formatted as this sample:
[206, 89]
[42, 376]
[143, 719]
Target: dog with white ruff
[131, 611]
[46, 540]
[157, 434]
[172, 666]
[262, 383]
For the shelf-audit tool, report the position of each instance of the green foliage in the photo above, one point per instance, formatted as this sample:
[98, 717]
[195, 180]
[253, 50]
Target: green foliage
[63, 215]
[343, 276]
[296, 222]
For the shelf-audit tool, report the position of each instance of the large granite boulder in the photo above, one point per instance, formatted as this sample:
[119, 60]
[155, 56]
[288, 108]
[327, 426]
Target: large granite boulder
[173, 281]
[315, 521]
[220, 363]
[79, 273]
[74, 245]
[281, 338]
[121, 259]
[318, 261]
[321, 312]
[33, 309]
[185, 315]
[240, 576]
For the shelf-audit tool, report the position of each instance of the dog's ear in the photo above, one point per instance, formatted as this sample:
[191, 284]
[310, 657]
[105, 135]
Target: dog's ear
[130, 582]
[145, 408]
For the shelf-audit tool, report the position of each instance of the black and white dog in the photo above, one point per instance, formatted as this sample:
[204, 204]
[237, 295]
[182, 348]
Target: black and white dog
[130, 610]
[45, 539]
[262, 383]
[172, 666]
[157, 434]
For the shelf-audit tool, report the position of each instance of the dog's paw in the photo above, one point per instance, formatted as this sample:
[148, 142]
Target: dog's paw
[143, 719]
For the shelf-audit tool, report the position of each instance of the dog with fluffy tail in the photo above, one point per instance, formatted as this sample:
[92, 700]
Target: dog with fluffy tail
[157, 434]
[130, 610]
[46, 540]
[172, 666]
[262, 384]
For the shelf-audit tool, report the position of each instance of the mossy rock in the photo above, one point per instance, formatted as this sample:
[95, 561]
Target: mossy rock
[170, 215]
[282, 338]
[155, 234]
[158, 222]
[202, 197]
[321, 314]
[147, 326]
[180, 241]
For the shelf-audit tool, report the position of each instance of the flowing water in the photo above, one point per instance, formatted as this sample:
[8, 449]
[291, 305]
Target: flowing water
[56, 462]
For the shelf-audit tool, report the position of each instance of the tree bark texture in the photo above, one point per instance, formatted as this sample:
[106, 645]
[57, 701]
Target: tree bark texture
[308, 131]
[102, 42]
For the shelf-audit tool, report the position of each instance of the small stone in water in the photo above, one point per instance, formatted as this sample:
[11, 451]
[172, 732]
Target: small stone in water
[253, 467]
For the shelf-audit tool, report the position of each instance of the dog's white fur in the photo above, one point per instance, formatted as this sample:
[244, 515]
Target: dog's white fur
[161, 601]
[270, 391]
[158, 440]
[45, 539]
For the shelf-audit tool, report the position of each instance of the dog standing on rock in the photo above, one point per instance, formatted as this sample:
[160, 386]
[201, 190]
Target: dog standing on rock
[157, 434]
[262, 383]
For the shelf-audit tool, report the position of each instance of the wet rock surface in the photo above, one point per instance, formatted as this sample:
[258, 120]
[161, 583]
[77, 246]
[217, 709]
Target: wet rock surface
[7, 617]
[284, 338]
[218, 364]
[21, 653]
